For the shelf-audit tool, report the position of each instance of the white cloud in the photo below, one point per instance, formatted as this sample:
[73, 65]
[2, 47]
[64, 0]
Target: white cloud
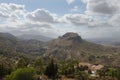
[103, 7]
[80, 20]
[41, 21]
[75, 9]
[77, 19]
[11, 7]
[11, 10]
[115, 20]
[29, 25]
[41, 15]
[18, 19]
[70, 1]
[2, 15]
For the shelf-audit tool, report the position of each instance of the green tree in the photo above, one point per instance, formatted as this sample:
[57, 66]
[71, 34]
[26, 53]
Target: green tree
[5, 67]
[21, 63]
[91, 58]
[51, 69]
[38, 65]
[67, 67]
[23, 74]
[116, 73]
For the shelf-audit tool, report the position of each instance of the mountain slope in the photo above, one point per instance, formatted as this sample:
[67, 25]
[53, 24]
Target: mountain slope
[72, 46]
[67, 47]
[11, 46]
[7, 38]
[7, 44]
[33, 47]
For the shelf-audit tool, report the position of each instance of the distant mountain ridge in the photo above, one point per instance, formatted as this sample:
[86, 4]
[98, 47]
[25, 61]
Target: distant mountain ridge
[70, 46]
[11, 45]
[35, 37]
[8, 38]
[106, 41]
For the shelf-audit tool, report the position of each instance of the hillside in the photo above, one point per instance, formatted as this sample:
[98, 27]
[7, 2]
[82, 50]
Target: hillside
[11, 46]
[32, 47]
[70, 46]
[7, 38]
[7, 44]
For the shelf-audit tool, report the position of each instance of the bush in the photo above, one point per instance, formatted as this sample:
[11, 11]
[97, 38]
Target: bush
[23, 74]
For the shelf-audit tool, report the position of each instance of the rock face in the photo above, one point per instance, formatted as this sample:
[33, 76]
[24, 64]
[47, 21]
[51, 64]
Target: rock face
[71, 36]
[67, 39]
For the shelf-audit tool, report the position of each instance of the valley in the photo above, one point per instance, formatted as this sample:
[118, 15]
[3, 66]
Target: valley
[69, 53]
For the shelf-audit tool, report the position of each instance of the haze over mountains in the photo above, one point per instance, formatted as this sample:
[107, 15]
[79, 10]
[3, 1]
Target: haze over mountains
[110, 41]
[36, 37]
[107, 41]
[66, 47]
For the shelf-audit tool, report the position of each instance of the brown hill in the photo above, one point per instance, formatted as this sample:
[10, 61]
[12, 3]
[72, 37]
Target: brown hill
[72, 46]
[67, 47]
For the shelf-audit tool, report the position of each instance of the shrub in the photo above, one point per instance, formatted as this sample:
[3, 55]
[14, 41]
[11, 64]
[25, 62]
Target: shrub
[23, 74]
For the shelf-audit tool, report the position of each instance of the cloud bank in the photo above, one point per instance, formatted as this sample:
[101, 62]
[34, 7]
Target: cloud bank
[101, 17]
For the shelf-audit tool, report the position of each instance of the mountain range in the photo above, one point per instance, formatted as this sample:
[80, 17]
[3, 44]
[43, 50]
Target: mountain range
[36, 37]
[69, 46]
[108, 41]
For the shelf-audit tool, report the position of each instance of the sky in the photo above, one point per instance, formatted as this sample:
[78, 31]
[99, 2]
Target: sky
[89, 18]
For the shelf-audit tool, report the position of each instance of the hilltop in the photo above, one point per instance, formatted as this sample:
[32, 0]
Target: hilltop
[70, 46]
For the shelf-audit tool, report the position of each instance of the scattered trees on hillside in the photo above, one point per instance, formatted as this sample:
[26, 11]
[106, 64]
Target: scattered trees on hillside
[38, 65]
[66, 68]
[21, 63]
[52, 69]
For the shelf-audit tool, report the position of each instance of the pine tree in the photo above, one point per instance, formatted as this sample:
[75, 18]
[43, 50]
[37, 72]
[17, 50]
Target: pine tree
[51, 69]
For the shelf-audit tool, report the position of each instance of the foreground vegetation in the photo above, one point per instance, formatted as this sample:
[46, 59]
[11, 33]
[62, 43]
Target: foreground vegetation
[41, 68]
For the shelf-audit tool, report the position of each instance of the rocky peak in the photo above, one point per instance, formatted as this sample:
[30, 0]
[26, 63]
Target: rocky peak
[71, 36]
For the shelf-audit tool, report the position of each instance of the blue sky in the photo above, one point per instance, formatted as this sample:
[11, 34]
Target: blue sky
[89, 18]
[60, 7]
